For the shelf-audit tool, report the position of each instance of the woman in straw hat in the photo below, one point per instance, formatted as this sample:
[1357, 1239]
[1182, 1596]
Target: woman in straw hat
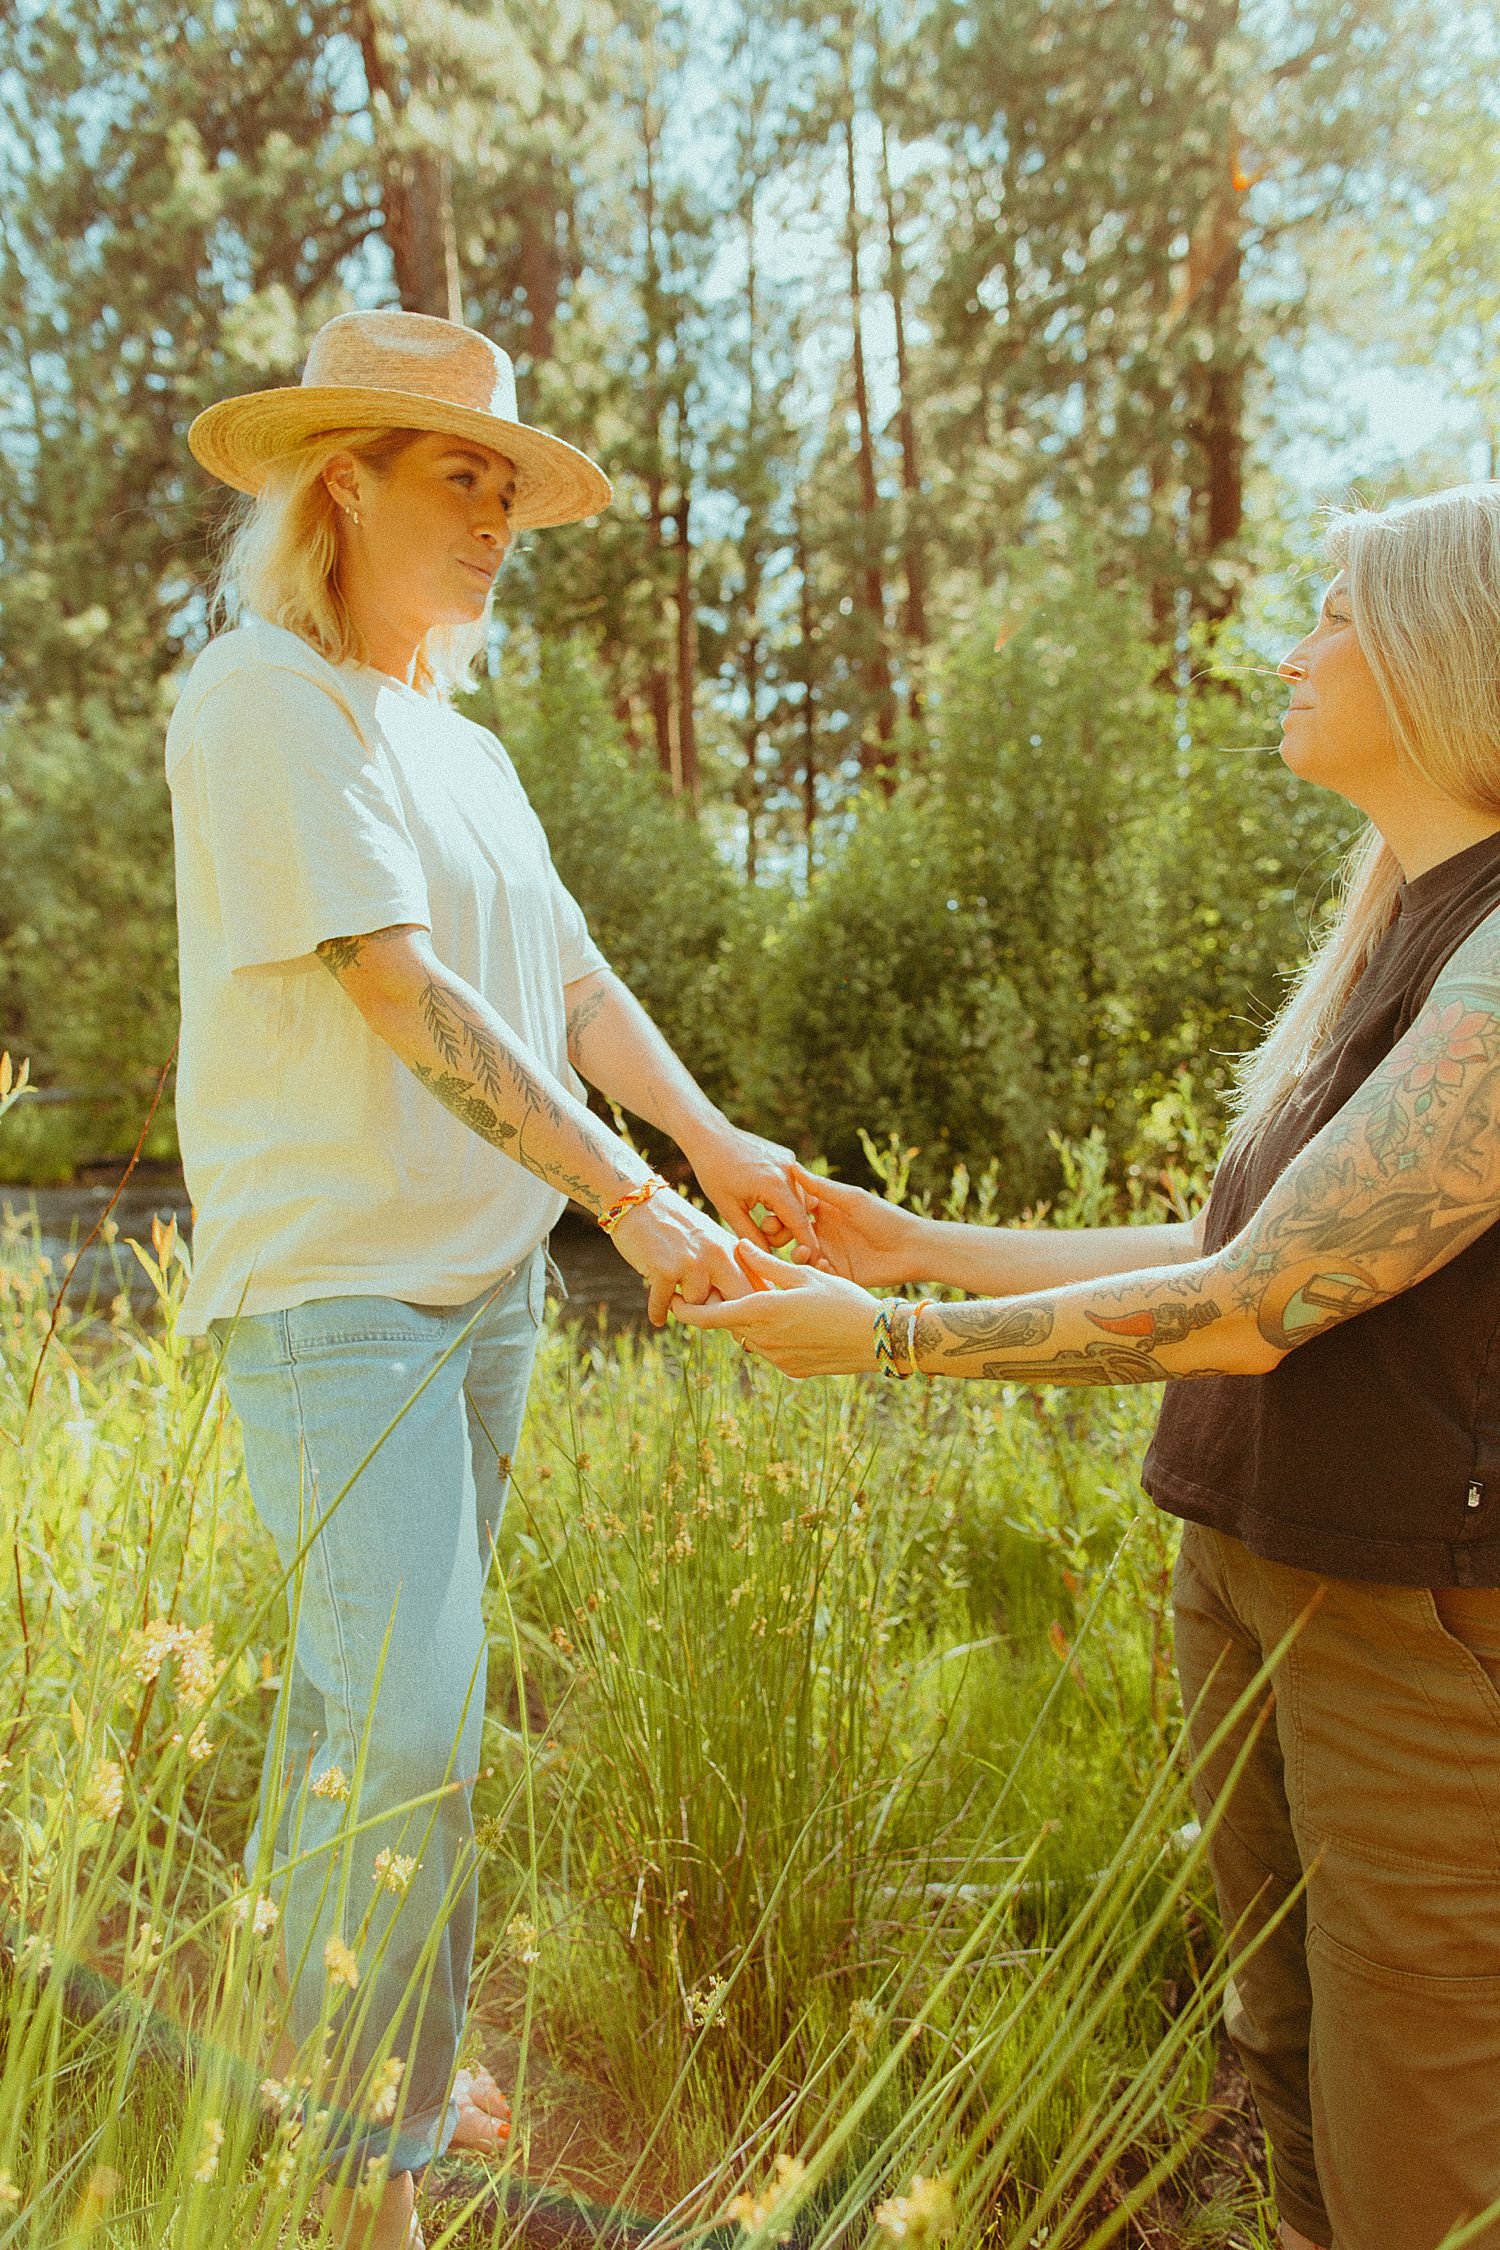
[389, 1006]
[1328, 1331]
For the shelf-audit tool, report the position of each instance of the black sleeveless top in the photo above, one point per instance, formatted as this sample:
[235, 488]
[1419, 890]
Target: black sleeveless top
[1373, 1450]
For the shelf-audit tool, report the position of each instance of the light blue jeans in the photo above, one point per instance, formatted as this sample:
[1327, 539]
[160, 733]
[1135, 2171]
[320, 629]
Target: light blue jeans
[385, 1670]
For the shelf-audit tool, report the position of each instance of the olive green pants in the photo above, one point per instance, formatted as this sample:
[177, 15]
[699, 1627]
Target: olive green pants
[1369, 2020]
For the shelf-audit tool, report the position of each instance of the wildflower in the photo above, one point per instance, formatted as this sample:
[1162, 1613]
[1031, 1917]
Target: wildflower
[371, 2181]
[35, 1955]
[864, 2024]
[703, 2004]
[730, 1433]
[781, 1474]
[208, 2155]
[561, 1642]
[614, 1526]
[10, 2194]
[262, 1912]
[148, 1647]
[274, 2095]
[197, 1743]
[384, 2089]
[197, 1673]
[753, 2211]
[340, 1963]
[97, 2194]
[106, 1791]
[331, 1782]
[394, 1871]
[521, 1936]
[582, 1464]
[925, 2214]
[144, 1948]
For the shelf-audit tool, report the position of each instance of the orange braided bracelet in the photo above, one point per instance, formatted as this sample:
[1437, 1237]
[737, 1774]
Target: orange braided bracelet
[611, 1218]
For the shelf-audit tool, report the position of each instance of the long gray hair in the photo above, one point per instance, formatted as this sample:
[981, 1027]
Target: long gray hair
[1424, 597]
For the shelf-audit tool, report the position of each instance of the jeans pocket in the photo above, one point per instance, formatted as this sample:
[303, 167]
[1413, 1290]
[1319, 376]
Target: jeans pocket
[329, 1323]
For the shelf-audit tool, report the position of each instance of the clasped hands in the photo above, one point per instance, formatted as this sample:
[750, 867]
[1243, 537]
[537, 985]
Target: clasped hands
[812, 1317]
[687, 1258]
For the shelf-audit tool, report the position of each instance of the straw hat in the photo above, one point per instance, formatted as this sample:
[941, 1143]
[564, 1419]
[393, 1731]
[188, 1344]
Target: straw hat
[407, 371]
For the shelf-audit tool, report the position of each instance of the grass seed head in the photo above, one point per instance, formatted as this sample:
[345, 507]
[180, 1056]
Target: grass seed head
[208, 2154]
[105, 1793]
[521, 1937]
[394, 1871]
[754, 2212]
[925, 2214]
[384, 2089]
[339, 1960]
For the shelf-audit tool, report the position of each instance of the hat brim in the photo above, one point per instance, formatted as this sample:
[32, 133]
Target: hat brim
[239, 439]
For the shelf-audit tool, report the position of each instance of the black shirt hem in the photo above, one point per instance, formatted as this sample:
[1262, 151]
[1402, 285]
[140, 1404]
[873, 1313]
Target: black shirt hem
[1386, 1562]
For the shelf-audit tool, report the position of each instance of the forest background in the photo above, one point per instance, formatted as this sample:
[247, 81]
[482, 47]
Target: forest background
[968, 371]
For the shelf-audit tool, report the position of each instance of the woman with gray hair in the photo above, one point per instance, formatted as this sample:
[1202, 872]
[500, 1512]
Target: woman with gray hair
[1328, 1329]
[390, 1005]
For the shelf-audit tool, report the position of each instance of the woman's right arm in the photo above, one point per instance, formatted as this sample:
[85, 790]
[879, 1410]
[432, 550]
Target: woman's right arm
[881, 1246]
[470, 1060]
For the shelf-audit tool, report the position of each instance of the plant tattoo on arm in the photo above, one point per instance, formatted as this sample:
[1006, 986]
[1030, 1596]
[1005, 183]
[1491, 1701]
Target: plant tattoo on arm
[474, 1085]
[479, 1078]
[583, 1012]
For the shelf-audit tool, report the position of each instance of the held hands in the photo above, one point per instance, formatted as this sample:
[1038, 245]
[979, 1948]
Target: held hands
[738, 1170]
[678, 1249]
[860, 1236]
[803, 1321]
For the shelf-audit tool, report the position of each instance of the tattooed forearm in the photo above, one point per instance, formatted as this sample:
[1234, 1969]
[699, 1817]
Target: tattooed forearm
[1401, 1180]
[1047, 1339]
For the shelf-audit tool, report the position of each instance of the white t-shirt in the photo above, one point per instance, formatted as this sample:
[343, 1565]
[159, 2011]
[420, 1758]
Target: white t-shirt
[309, 801]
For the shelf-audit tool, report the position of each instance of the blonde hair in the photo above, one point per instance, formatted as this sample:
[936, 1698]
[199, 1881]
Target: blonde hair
[281, 561]
[1424, 598]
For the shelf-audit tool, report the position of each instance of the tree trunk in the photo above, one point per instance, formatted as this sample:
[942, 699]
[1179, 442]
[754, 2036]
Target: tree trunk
[807, 627]
[915, 619]
[687, 655]
[872, 755]
[541, 274]
[416, 199]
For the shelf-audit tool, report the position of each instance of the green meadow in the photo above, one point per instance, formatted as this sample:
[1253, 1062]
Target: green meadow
[838, 1872]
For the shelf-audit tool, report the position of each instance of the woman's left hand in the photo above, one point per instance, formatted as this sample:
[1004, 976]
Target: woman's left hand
[802, 1321]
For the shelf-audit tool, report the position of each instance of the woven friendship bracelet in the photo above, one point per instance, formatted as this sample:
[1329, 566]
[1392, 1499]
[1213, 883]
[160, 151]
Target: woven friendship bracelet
[885, 1358]
[611, 1218]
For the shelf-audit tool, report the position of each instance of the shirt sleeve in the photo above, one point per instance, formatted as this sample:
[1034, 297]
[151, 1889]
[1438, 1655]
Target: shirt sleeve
[304, 826]
[576, 950]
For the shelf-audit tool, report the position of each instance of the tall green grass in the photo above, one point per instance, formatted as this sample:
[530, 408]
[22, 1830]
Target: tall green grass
[837, 1870]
